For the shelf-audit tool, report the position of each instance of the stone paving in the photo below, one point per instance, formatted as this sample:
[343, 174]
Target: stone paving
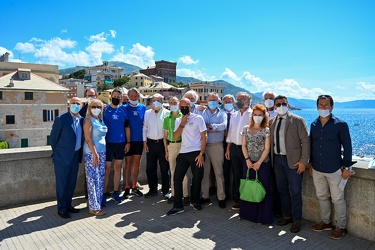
[140, 223]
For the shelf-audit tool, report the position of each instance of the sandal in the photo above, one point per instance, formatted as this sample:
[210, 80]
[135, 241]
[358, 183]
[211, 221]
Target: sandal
[97, 212]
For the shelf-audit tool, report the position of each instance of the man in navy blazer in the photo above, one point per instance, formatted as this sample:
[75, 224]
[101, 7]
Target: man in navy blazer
[66, 142]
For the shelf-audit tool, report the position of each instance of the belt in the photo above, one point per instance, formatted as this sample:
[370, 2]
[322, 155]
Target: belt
[155, 141]
[237, 146]
[282, 156]
[173, 141]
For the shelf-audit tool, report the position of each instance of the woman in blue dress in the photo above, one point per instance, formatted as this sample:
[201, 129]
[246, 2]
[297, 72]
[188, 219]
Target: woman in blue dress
[256, 145]
[94, 150]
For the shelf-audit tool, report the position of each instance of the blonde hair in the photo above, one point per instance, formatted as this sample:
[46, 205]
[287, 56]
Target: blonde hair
[88, 112]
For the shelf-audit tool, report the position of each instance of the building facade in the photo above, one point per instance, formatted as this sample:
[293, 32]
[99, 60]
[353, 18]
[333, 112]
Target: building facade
[204, 88]
[102, 74]
[76, 86]
[28, 106]
[165, 69]
[139, 80]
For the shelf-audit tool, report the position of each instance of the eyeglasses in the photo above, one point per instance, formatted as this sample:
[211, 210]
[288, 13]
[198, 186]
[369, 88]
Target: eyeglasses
[279, 104]
[77, 103]
[96, 107]
[91, 96]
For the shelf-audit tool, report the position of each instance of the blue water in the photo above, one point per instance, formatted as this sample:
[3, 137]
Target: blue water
[361, 125]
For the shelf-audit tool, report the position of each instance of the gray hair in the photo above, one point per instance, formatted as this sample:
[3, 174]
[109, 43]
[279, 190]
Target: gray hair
[214, 94]
[229, 96]
[157, 95]
[269, 92]
[191, 92]
[247, 95]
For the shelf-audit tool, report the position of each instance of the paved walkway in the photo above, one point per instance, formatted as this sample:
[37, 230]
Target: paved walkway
[140, 223]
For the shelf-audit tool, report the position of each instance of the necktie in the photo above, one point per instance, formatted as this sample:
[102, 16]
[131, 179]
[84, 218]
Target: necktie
[228, 120]
[278, 137]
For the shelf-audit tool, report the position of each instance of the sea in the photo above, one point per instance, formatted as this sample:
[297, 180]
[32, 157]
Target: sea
[361, 124]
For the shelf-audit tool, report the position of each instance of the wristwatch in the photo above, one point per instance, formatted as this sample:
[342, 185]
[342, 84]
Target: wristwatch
[346, 168]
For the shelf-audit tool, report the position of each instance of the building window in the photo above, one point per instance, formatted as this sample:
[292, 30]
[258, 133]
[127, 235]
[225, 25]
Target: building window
[48, 140]
[25, 76]
[10, 119]
[1, 95]
[136, 84]
[29, 96]
[49, 115]
[24, 143]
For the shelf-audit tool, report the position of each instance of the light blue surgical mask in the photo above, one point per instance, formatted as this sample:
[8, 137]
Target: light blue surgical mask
[192, 104]
[157, 104]
[133, 102]
[212, 105]
[75, 108]
[324, 113]
[174, 108]
[228, 106]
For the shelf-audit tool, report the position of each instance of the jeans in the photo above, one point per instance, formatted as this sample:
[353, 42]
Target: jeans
[289, 185]
[326, 186]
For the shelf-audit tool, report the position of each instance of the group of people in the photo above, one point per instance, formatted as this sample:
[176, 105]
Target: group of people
[188, 141]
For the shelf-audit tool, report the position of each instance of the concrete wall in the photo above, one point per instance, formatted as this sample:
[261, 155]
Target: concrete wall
[27, 176]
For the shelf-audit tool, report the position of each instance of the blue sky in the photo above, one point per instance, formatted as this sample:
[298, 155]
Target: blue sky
[296, 48]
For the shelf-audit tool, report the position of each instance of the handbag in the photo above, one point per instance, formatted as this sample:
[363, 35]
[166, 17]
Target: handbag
[252, 190]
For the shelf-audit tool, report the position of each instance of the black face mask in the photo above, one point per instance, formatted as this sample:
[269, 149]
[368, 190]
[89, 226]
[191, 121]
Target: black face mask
[185, 110]
[125, 103]
[115, 101]
[240, 105]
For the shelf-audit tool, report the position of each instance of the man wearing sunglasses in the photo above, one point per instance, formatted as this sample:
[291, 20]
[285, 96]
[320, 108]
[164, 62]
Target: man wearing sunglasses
[290, 152]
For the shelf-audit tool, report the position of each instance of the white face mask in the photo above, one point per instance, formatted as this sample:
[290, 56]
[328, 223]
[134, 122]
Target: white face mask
[324, 113]
[282, 110]
[257, 119]
[96, 112]
[269, 103]
[133, 102]
[174, 108]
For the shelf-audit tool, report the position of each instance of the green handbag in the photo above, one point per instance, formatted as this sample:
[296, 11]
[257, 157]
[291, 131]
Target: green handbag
[252, 190]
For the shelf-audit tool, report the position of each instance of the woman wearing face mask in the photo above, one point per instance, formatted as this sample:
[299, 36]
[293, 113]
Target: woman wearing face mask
[94, 153]
[256, 147]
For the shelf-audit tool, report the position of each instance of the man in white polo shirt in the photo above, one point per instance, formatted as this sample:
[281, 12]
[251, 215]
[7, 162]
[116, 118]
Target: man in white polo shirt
[192, 129]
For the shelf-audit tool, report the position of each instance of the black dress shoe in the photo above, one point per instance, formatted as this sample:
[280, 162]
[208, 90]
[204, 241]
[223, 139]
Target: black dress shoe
[203, 200]
[222, 203]
[296, 227]
[284, 221]
[64, 214]
[73, 210]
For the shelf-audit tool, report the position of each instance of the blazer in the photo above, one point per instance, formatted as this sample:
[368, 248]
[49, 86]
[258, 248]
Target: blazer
[63, 140]
[297, 140]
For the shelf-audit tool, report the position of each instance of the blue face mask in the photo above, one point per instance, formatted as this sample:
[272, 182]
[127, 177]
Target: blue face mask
[192, 104]
[228, 106]
[174, 108]
[212, 105]
[324, 113]
[75, 108]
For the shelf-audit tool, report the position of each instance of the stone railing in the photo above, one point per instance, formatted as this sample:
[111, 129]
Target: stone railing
[27, 176]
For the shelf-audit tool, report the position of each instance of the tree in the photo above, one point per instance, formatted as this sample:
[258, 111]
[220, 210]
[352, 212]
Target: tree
[104, 86]
[120, 82]
[178, 84]
[80, 74]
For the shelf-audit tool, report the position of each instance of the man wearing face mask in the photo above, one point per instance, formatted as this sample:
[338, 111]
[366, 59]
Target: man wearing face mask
[153, 146]
[172, 147]
[117, 142]
[268, 98]
[193, 97]
[229, 103]
[90, 95]
[216, 123]
[136, 113]
[192, 129]
[290, 153]
[234, 140]
[66, 142]
[328, 135]
[125, 99]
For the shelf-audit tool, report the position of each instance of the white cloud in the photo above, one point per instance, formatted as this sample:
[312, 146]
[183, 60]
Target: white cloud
[248, 79]
[187, 60]
[229, 75]
[97, 37]
[138, 55]
[64, 31]
[113, 33]
[197, 74]
[25, 47]
[367, 90]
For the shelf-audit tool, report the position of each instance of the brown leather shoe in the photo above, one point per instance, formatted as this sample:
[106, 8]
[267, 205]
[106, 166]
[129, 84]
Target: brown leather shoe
[285, 221]
[322, 226]
[296, 227]
[337, 233]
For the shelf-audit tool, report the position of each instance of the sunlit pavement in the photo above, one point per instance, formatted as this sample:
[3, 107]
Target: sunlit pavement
[141, 223]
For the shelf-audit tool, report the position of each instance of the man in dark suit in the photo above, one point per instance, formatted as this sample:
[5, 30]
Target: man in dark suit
[66, 142]
[290, 153]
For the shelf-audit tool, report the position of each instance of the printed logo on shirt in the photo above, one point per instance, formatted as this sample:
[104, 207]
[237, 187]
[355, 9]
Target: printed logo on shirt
[191, 123]
[115, 117]
[135, 113]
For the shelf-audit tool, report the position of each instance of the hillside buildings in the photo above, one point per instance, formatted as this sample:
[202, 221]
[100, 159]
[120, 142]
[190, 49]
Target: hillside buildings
[102, 74]
[204, 88]
[77, 87]
[165, 69]
[29, 104]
